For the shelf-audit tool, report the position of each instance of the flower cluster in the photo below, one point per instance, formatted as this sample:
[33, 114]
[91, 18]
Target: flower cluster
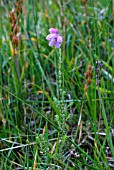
[54, 38]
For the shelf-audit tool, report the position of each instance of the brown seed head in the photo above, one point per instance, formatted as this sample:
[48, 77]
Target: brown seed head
[12, 26]
[12, 12]
[84, 2]
[16, 29]
[15, 40]
[19, 7]
[89, 81]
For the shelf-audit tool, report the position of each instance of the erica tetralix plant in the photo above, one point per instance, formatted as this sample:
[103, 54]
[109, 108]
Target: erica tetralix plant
[54, 38]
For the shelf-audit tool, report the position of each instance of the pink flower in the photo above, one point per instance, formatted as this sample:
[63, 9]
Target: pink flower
[54, 38]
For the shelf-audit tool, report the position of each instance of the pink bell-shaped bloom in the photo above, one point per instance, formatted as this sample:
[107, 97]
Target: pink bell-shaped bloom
[53, 30]
[54, 38]
[59, 39]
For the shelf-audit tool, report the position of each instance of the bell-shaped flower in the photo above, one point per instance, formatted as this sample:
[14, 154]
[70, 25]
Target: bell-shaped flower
[54, 38]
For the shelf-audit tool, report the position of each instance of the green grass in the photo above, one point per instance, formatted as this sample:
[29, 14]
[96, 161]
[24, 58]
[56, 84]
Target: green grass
[41, 127]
